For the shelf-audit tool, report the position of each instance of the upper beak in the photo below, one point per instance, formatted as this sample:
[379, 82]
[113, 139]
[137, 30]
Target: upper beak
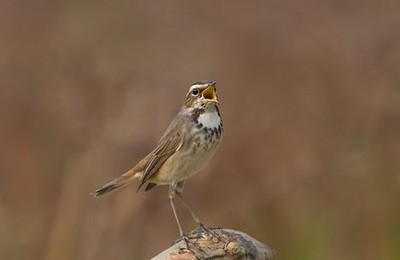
[209, 94]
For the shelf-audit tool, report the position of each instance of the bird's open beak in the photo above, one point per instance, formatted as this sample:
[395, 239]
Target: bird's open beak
[209, 94]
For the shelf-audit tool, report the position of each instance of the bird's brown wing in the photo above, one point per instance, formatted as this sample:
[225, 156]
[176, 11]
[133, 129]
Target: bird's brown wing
[167, 146]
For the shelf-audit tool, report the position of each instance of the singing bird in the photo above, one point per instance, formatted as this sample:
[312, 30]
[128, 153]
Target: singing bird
[183, 150]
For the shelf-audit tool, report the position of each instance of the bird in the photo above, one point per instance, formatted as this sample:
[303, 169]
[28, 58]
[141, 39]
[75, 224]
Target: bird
[185, 148]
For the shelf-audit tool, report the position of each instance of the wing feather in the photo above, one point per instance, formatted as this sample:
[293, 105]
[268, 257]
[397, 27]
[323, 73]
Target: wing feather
[165, 149]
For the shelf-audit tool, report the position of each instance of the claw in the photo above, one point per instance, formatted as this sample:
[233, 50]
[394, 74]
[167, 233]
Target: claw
[193, 245]
[201, 228]
[186, 240]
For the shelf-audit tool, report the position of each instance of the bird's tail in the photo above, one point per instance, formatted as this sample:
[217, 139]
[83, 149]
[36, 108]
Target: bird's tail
[118, 183]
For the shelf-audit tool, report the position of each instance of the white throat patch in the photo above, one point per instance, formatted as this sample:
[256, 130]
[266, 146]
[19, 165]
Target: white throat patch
[210, 119]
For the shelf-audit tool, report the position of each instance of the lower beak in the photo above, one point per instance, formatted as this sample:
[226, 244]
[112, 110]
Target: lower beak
[209, 94]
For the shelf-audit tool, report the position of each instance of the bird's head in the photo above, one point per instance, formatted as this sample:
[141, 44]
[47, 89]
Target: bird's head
[202, 95]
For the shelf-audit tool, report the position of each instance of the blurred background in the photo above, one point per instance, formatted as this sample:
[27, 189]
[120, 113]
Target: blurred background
[310, 97]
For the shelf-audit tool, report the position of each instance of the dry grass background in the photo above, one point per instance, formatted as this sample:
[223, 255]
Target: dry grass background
[310, 95]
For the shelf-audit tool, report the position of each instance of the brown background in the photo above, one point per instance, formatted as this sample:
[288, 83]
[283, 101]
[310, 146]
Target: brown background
[310, 96]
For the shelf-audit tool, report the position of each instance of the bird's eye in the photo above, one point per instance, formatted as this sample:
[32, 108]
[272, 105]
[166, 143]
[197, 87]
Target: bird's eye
[195, 92]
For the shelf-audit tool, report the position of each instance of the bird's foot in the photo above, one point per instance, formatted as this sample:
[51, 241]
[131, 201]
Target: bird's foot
[190, 243]
[201, 229]
[186, 240]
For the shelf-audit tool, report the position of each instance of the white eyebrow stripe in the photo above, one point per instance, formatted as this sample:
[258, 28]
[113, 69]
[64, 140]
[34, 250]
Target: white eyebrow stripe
[196, 86]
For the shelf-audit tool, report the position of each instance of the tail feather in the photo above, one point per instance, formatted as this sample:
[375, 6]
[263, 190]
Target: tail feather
[116, 184]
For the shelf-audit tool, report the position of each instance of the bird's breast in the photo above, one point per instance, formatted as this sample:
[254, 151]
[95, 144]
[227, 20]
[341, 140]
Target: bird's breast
[201, 140]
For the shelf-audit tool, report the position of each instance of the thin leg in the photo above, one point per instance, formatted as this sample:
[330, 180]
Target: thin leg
[171, 201]
[201, 227]
[178, 190]
[196, 219]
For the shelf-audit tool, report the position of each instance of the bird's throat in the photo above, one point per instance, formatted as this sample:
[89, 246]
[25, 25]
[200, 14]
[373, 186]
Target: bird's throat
[209, 119]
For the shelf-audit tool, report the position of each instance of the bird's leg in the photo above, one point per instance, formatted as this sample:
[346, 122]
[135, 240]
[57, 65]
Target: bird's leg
[195, 218]
[200, 225]
[171, 200]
